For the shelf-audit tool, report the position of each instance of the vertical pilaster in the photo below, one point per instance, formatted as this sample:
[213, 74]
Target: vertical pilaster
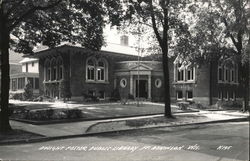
[149, 86]
[131, 84]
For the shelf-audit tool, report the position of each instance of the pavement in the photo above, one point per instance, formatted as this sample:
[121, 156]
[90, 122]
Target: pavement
[97, 127]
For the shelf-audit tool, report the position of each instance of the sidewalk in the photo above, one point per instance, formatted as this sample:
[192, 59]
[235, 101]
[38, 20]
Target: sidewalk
[83, 128]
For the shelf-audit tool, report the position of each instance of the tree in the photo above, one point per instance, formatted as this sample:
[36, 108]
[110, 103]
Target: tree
[162, 17]
[25, 24]
[221, 28]
[28, 91]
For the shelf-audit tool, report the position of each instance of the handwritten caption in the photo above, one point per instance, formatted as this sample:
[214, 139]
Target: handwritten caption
[194, 147]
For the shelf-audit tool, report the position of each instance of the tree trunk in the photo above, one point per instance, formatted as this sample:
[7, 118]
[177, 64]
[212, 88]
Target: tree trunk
[5, 78]
[246, 84]
[166, 82]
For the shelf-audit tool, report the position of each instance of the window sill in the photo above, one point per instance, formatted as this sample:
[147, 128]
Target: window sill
[97, 82]
[184, 82]
[52, 81]
[226, 82]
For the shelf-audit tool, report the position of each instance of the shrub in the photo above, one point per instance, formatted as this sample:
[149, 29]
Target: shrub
[228, 104]
[16, 96]
[73, 113]
[28, 91]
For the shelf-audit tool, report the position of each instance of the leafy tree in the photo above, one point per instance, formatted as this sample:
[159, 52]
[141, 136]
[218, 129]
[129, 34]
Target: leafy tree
[162, 16]
[28, 91]
[221, 29]
[25, 24]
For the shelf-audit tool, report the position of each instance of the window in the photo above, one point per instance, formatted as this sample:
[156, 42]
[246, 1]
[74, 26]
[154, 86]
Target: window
[189, 95]
[220, 95]
[227, 96]
[14, 85]
[21, 83]
[184, 71]
[91, 93]
[27, 67]
[101, 71]
[190, 74]
[90, 70]
[226, 74]
[179, 95]
[59, 69]
[36, 83]
[158, 83]
[101, 95]
[234, 96]
[48, 74]
[54, 70]
[124, 40]
[47, 70]
[220, 74]
[232, 75]
[123, 82]
[180, 76]
[97, 70]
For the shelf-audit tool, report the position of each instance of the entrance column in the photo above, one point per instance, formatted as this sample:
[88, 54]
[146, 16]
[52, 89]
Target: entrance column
[131, 84]
[149, 86]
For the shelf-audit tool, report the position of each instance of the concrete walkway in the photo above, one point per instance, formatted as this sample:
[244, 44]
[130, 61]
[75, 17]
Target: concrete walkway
[109, 125]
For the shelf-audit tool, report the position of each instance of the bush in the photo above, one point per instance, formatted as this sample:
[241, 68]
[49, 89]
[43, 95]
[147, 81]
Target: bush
[73, 113]
[28, 91]
[16, 96]
[229, 104]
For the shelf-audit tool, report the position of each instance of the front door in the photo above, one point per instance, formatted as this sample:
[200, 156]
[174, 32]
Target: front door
[143, 92]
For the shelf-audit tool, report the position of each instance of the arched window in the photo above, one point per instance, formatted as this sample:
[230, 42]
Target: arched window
[59, 68]
[101, 71]
[53, 69]
[91, 70]
[47, 70]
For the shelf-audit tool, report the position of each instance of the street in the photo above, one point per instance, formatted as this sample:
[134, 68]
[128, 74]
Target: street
[207, 142]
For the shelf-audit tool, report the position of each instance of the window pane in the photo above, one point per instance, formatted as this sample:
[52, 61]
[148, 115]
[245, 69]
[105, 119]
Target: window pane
[101, 94]
[179, 94]
[220, 74]
[189, 94]
[36, 83]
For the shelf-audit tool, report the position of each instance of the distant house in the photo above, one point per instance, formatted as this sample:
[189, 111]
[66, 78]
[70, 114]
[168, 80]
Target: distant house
[14, 69]
[28, 73]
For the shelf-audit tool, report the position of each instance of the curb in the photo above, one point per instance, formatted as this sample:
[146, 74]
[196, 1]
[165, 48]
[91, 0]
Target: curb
[43, 139]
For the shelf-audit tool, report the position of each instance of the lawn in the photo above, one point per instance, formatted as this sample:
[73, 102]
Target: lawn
[43, 113]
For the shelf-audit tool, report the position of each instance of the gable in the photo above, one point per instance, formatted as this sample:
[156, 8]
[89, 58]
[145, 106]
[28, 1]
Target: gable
[141, 67]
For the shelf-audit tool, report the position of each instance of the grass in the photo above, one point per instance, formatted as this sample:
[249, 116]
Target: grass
[16, 134]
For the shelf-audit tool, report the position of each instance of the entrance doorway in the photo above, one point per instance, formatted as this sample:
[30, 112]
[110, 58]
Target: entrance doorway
[143, 88]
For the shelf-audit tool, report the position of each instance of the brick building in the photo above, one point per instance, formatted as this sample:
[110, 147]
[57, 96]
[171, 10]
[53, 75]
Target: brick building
[206, 83]
[78, 71]
[98, 73]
